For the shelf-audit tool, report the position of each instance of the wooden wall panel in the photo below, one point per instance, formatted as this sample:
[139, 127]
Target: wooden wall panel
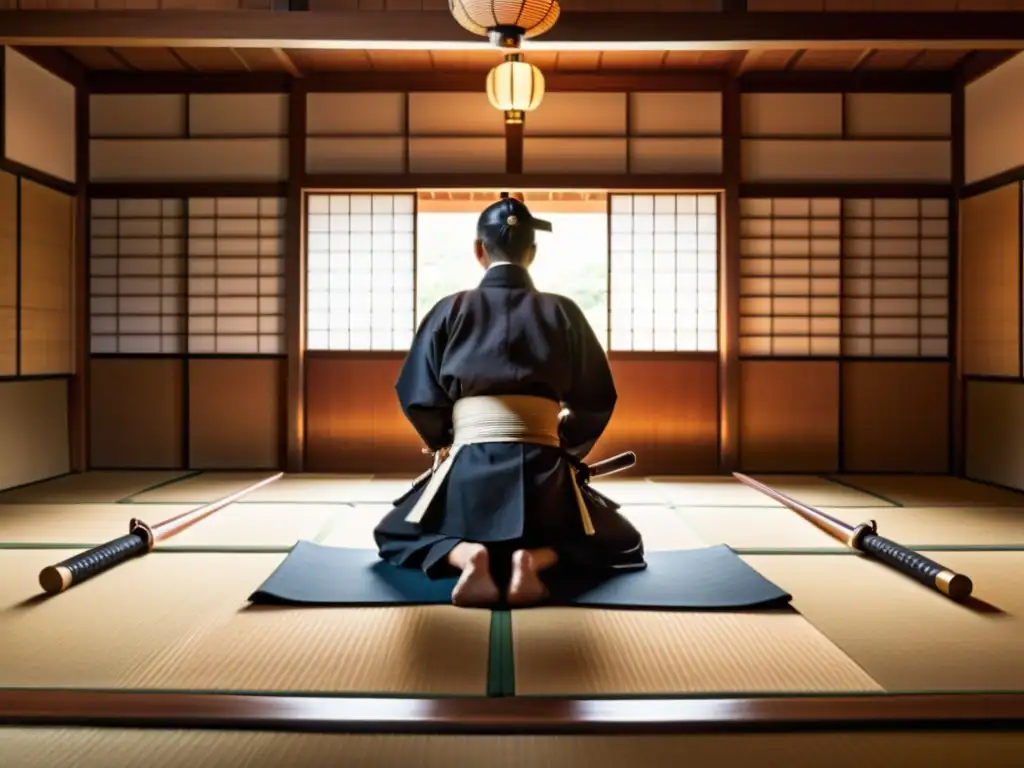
[667, 413]
[135, 413]
[990, 274]
[235, 409]
[994, 121]
[34, 431]
[233, 115]
[895, 417]
[8, 274]
[353, 420]
[880, 160]
[995, 432]
[789, 416]
[259, 159]
[47, 280]
[792, 114]
[137, 115]
[39, 118]
[898, 114]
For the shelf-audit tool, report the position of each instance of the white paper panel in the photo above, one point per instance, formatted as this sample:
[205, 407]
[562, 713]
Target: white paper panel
[137, 276]
[133, 115]
[664, 272]
[898, 114]
[39, 117]
[792, 114]
[675, 155]
[574, 155]
[455, 114]
[360, 271]
[675, 114]
[994, 121]
[188, 160]
[908, 161]
[457, 155]
[238, 114]
[355, 114]
[384, 155]
[236, 275]
[566, 113]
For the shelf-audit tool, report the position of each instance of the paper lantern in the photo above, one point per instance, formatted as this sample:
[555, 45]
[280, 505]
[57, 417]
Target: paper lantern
[515, 87]
[506, 22]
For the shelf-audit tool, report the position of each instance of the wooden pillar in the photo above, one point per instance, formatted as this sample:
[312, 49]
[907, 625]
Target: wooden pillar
[729, 284]
[957, 455]
[78, 388]
[295, 284]
[514, 148]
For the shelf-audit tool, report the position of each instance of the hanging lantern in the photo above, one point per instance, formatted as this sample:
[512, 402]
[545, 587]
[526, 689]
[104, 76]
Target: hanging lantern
[515, 87]
[506, 22]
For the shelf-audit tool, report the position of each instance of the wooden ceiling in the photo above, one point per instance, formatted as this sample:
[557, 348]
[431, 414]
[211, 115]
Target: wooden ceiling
[299, 62]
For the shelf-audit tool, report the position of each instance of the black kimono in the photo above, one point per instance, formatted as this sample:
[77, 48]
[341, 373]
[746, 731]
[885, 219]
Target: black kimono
[507, 338]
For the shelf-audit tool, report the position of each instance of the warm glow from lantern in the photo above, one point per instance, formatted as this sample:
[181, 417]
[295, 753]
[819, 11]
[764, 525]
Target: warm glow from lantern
[515, 87]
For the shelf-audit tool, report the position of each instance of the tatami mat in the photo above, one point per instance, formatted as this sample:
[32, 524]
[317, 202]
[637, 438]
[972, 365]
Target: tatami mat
[74, 523]
[181, 621]
[935, 491]
[759, 527]
[631, 491]
[905, 635]
[106, 631]
[129, 748]
[202, 489]
[88, 487]
[255, 525]
[333, 489]
[768, 528]
[422, 649]
[569, 651]
[820, 491]
[709, 491]
[353, 526]
[662, 529]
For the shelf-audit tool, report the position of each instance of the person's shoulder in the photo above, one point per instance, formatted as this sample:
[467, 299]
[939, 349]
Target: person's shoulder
[568, 306]
[444, 307]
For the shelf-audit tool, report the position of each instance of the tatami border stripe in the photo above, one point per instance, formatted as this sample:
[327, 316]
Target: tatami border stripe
[853, 487]
[162, 484]
[501, 678]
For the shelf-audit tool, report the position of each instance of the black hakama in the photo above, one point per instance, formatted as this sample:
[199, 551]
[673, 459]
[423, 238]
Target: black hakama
[507, 338]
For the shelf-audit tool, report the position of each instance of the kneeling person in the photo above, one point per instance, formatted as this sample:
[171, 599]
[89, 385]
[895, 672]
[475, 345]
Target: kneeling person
[510, 389]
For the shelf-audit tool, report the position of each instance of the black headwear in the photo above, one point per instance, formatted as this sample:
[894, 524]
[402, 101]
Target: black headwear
[509, 226]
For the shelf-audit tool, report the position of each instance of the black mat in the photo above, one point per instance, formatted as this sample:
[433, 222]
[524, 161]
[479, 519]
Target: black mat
[713, 578]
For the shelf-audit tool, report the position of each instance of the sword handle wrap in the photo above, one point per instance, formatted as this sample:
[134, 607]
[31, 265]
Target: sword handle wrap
[917, 566]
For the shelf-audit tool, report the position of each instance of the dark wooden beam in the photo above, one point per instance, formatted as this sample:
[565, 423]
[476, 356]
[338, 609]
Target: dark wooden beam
[859, 81]
[414, 81]
[295, 285]
[340, 29]
[520, 181]
[78, 388]
[729, 284]
[609, 82]
[512, 715]
[977, 64]
[56, 62]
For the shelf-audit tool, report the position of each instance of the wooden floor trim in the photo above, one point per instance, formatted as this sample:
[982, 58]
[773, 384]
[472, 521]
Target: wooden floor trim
[327, 714]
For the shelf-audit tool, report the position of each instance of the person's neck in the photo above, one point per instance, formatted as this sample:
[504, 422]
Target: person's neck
[494, 264]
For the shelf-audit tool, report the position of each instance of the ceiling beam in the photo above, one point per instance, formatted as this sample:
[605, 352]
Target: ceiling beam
[607, 82]
[436, 29]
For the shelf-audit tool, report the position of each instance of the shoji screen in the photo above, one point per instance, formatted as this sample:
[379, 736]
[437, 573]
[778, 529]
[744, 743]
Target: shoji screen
[236, 275]
[137, 283]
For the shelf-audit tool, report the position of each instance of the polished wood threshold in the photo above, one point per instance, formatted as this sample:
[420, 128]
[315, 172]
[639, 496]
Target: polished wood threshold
[514, 715]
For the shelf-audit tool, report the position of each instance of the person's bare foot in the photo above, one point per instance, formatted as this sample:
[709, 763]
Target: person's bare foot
[525, 586]
[476, 586]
